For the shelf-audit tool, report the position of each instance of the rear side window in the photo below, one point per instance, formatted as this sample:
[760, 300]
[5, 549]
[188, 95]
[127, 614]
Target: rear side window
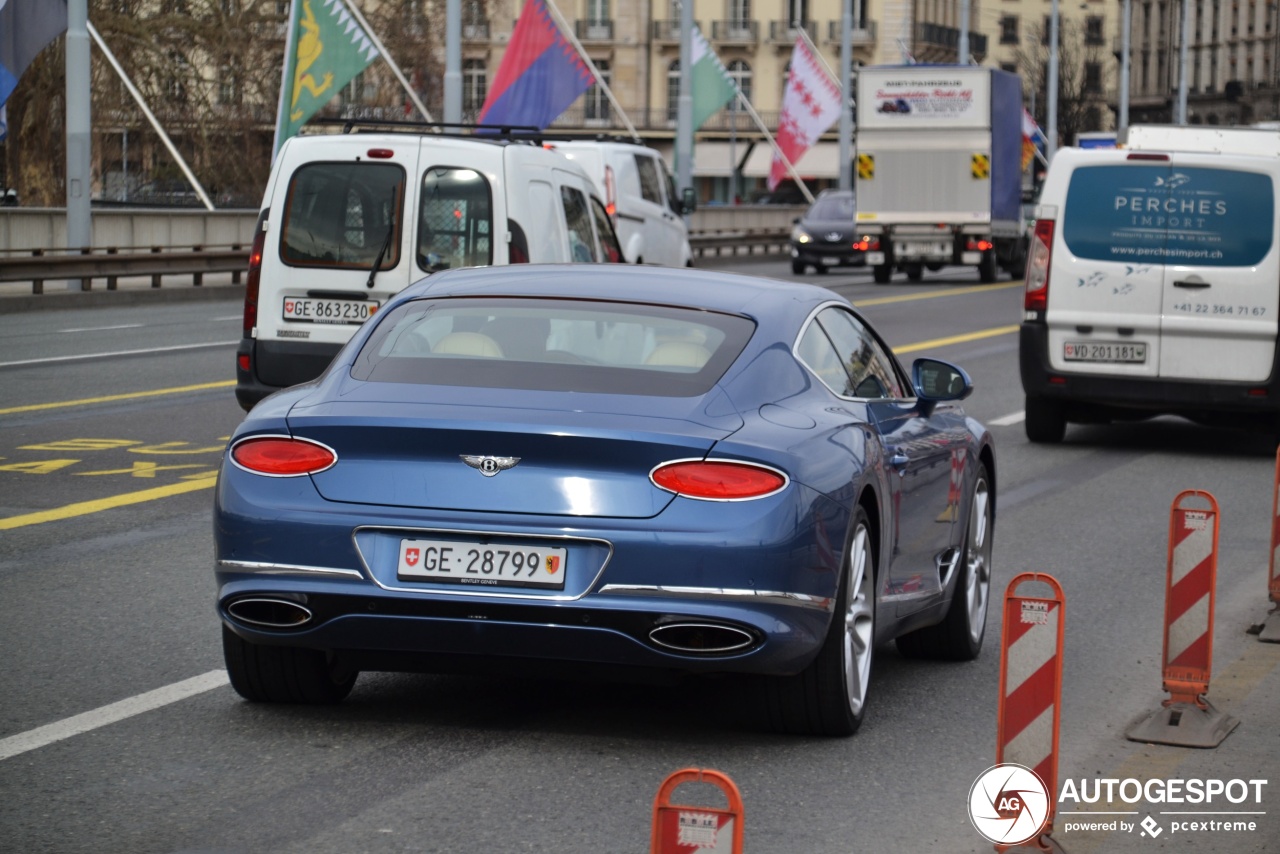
[342, 214]
[553, 345]
[611, 250]
[582, 243]
[455, 219]
[848, 358]
[1161, 213]
[650, 183]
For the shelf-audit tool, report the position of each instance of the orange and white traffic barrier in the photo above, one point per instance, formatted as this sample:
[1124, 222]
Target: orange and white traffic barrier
[680, 829]
[1271, 628]
[1031, 688]
[1186, 717]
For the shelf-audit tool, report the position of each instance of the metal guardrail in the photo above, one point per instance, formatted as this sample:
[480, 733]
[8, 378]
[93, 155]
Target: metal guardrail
[112, 263]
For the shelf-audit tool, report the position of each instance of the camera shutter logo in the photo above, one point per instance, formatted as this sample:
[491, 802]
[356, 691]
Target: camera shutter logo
[1008, 804]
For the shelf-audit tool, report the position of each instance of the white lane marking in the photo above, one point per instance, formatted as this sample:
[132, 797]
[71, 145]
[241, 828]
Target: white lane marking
[228, 317]
[102, 328]
[51, 359]
[110, 714]
[1012, 418]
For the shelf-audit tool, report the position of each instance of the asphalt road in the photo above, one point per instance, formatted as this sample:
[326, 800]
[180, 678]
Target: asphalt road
[118, 733]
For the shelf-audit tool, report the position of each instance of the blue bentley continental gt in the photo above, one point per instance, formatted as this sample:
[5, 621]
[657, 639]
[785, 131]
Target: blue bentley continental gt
[633, 469]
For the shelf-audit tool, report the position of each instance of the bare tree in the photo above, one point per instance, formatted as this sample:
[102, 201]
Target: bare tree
[1081, 98]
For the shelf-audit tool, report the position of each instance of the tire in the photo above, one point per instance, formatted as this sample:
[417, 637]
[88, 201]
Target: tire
[829, 697]
[1046, 422]
[959, 636]
[820, 269]
[987, 268]
[283, 674]
[797, 267]
[915, 272]
[882, 273]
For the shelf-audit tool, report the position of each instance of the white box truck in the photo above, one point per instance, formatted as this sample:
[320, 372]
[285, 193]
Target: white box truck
[939, 169]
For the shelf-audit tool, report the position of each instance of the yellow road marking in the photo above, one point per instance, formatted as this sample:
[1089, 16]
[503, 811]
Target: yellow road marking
[957, 339]
[84, 401]
[84, 508]
[946, 292]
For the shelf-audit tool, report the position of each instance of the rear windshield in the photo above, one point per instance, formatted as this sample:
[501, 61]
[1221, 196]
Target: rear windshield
[455, 223]
[837, 208]
[1169, 214]
[553, 345]
[342, 215]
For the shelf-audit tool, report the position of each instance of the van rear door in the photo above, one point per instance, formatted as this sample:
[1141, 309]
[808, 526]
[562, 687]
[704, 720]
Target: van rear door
[1222, 268]
[1107, 278]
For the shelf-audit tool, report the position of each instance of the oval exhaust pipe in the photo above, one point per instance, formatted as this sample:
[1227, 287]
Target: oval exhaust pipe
[272, 613]
[702, 638]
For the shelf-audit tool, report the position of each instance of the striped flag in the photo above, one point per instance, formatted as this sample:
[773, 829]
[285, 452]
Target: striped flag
[810, 105]
[540, 75]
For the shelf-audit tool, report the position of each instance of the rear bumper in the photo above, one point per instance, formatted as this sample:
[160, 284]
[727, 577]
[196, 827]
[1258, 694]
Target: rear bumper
[1093, 395]
[274, 365]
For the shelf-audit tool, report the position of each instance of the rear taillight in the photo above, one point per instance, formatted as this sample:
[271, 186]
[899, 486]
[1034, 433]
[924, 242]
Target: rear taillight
[1037, 297]
[255, 275]
[281, 456]
[610, 194]
[978, 245]
[718, 480]
[866, 244]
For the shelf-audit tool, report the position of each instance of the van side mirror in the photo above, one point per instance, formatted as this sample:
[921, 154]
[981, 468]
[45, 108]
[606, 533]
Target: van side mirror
[688, 201]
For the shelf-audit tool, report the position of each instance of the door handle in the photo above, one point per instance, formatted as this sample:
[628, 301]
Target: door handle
[899, 459]
[1195, 283]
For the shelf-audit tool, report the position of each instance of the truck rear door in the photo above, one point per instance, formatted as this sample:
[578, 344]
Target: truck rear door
[1221, 287]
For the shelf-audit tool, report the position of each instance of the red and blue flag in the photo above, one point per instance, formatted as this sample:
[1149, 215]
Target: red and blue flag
[540, 75]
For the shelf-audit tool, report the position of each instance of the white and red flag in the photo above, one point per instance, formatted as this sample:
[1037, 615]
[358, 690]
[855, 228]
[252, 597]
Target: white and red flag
[810, 105]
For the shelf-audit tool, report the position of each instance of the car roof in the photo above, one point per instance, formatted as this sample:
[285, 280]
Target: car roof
[698, 289]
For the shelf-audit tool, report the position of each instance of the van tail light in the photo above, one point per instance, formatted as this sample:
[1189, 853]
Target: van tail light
[281, 456]
[1037, 297]
[866, 244]
[610, 194]
[255, 275]
[977, 245]
[718, 480]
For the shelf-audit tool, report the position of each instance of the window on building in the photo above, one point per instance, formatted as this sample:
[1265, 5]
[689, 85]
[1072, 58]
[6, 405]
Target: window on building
[1093, 78]
[228, 83]
[673, 89]
[475, 85]
[1093, 30]
[739, 11]
[1008, 29]
[596, 102]
[740, 73]
[797, 12]
[598, 12]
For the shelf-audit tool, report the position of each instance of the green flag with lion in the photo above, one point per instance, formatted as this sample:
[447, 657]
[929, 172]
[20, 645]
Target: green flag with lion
[326, 48]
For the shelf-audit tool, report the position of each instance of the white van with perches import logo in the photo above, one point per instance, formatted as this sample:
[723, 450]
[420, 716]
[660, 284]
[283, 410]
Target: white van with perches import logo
[1153, 283]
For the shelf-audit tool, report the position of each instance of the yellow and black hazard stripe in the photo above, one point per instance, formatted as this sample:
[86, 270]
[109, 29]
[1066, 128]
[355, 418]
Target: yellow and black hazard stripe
[866, 166]
[980, 165]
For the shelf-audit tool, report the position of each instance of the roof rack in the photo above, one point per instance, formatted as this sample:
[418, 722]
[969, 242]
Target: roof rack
[512, 133]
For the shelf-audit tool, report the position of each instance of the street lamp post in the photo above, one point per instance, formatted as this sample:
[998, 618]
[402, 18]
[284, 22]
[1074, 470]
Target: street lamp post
[1051, 144]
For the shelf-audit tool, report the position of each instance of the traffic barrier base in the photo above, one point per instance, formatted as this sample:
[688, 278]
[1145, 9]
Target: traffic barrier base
[1271, 628]
[1187, 718]
[1184, 725]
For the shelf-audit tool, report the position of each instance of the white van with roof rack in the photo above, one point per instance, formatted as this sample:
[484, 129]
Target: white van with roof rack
[1153, 285]
[350, 219]
[640, 195]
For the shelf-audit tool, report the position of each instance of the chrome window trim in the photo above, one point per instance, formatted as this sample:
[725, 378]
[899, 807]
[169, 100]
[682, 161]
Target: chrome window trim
[903, 376]
[269, 568]
[772, 597]
[437, 590]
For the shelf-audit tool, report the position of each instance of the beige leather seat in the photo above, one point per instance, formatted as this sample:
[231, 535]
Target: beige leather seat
[468, 344]
[678, 354]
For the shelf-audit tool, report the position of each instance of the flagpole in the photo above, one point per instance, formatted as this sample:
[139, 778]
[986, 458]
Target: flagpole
[813, 48]
[155, 123]
[286, 86]
[791, 169]
[568, 33]
[382, 50]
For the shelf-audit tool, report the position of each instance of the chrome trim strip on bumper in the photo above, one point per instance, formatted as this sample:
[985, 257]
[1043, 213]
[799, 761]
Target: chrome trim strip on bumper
[774, 597]
[286, 569]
